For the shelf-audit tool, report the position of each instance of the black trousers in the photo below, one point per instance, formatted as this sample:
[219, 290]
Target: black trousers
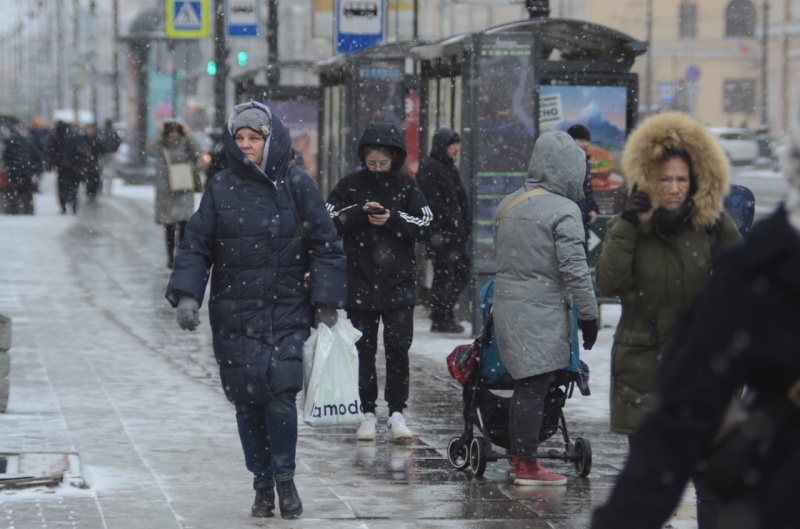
[170, 230]
[450, 276]
[398, 331]
[526, 414]
[20, 199]
[68, 184]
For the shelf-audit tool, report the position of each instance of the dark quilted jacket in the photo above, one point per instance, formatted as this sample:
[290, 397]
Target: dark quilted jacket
[245, 233]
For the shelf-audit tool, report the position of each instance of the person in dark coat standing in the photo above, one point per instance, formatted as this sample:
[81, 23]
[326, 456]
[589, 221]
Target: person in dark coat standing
[380, 214]
[588, 205]
[64, 153]
[451, 227]
[247, 233]
[21, 161]
[92, 147]
[741, 330]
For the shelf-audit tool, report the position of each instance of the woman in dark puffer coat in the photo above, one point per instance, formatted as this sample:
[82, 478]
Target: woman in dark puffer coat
[246, 233]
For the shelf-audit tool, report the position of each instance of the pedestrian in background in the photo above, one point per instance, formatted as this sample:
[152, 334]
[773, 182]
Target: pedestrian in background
[657, 253]
[261, 226]
[92, 147]
[380, 213]
[741, 331]
[172, 145]
[64, 153]
[541, 273]
[450, 230]
[21, 160]
[108, 163]
[38, 135]
[588, 205]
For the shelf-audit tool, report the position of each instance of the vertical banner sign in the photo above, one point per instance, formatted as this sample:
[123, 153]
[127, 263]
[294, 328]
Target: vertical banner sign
[359, 25]
[187, 20]
[242, 18]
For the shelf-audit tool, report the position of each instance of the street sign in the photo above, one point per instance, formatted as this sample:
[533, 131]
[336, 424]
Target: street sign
[359, 25]
[692, 73]
[187, 19]
[666, 93]
[242, 18]
[550, 111]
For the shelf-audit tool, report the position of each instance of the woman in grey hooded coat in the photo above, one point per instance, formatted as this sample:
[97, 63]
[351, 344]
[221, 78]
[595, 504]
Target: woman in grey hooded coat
[541, 273]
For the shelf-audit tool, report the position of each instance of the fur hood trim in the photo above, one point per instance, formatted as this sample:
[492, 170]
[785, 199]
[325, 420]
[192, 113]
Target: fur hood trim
[645, 148]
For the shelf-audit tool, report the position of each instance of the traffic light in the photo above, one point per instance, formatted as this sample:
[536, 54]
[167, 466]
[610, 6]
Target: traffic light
[241, 57]
[211, 68]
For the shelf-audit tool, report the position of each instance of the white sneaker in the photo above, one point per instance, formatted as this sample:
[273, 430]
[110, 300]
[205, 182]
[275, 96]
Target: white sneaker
[396, 427]
[366, 432]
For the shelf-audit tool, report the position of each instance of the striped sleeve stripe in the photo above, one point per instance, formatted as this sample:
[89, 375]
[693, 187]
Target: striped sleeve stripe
[425, 220]
[333, 213]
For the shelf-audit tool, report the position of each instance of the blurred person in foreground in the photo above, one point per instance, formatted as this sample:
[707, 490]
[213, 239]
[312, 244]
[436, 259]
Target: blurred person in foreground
[380, 213]
[741, 330]
[541, 273]
[451, 227]
[261, 226]
[172, 145]
[656, 256]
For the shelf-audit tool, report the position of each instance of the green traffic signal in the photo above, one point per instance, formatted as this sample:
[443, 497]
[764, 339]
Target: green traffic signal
[241, 57]
[211, 68]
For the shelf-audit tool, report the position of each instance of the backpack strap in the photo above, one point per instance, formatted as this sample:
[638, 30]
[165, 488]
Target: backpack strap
[302, 232]
[714, 231]
[522, 198]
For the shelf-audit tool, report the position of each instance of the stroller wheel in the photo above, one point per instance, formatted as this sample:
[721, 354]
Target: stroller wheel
[458, 453]
[583, 463]
[477, 456]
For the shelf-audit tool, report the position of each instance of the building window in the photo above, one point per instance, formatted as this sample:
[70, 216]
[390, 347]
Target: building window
[740, 19]
[687, 17]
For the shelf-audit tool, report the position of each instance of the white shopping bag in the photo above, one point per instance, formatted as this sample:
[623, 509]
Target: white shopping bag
[330, 367]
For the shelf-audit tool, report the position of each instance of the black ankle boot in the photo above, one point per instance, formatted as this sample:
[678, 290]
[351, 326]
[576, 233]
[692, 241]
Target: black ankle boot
[291, 506]
[265, 503]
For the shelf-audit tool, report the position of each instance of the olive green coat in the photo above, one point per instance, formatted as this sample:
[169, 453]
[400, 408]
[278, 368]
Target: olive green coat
[655, 276]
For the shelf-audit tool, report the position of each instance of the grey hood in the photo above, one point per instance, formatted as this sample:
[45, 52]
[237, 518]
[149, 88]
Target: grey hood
[558, 165]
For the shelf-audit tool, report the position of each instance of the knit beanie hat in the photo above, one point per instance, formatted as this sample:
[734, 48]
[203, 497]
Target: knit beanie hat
[792, 173]
[253, 118]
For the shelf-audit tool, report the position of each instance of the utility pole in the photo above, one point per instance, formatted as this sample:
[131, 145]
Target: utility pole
[764, 70]
[786, 103]
[59, 66]
[416, 20]
[115, 70]
[221, 60]
[273, 57]
[93, 66]
[76, 35]
[648, 65]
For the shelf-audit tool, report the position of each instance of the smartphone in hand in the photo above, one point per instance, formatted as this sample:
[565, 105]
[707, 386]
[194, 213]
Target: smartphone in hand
[376, 211]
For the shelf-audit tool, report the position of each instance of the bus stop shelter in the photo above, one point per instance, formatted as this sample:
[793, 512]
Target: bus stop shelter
[500, 88]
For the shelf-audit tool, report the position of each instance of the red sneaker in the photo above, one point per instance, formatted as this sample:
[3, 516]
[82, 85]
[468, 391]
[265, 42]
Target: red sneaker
[512, 473]
[531, 473]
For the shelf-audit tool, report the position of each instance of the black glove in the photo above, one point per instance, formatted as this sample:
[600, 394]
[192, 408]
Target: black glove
[589, 330]
[635, 204]
[325, 314]
[188, 314]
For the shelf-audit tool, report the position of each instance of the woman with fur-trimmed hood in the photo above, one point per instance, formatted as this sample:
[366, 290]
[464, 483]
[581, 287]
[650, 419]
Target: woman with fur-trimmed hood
[657, 253]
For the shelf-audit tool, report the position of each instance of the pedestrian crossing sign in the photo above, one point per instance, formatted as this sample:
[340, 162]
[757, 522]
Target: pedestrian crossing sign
[187, 19]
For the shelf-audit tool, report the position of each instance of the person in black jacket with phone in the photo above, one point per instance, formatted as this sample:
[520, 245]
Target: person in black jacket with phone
[380, 214]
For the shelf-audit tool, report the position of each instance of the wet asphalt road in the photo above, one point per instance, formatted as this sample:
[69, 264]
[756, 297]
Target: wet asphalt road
[117, 253]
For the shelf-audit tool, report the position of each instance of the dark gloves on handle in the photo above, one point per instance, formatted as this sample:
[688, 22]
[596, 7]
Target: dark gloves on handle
[325, 314]
[589, 330]
[188, 314]
[635, 204]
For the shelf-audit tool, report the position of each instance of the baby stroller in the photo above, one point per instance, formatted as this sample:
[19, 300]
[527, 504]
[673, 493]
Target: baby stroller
[480, 370]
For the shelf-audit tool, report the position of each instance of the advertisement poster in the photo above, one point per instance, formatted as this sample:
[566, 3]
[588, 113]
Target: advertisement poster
[301, 120]
[603, 110]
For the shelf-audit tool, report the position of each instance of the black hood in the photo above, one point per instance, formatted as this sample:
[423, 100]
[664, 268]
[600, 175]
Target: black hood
[442, 139]
[385, 135]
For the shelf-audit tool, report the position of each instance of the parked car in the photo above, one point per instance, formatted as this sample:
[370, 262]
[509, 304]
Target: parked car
[739, 145]
[778, 157]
